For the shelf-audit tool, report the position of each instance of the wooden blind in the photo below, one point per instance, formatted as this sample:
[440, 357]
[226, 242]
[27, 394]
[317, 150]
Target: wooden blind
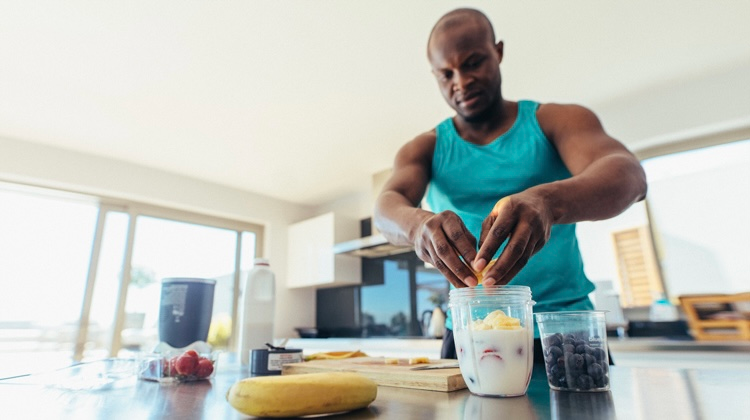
[637, 267]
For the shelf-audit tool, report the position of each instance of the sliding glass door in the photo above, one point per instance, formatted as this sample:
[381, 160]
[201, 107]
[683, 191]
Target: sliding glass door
[80, 275]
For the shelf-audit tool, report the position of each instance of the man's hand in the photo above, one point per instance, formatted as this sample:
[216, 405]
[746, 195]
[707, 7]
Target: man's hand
[440, 240]
[525, 221]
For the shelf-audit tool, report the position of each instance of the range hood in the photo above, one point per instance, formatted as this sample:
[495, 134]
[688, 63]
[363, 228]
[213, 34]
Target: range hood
[372, 246]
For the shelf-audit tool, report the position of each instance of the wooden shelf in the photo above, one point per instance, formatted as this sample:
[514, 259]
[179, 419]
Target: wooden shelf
[707, 314]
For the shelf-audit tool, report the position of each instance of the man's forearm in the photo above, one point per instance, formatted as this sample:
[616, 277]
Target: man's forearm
[605, 189]
[397, 218]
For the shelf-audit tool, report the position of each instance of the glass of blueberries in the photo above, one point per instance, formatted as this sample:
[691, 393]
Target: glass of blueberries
[575, 350]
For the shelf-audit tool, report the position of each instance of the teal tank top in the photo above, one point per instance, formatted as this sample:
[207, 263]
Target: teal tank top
[469, 179]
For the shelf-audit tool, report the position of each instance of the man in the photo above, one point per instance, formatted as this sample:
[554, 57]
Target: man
[515, 175]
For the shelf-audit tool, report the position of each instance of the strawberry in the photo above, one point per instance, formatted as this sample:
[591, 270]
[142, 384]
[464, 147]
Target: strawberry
[186, 364]
[204, 369]
[191, 353]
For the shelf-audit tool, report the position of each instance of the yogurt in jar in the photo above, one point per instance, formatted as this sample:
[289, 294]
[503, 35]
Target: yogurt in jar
[495, 355]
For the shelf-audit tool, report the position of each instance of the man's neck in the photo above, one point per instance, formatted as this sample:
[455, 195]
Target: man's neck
[485, 130]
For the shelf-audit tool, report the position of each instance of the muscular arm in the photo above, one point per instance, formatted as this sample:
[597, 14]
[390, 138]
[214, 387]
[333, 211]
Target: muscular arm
[438, 239]
[397, 215]
[606, 180]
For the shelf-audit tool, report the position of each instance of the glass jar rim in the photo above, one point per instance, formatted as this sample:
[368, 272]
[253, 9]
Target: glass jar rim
[490, 291]
[572, 313]
[570, 316]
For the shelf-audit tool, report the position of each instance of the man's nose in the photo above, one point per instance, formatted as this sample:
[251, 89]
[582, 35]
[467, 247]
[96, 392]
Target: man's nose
[461, 81]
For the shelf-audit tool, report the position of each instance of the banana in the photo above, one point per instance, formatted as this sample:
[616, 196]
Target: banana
[330, 355]
[480, 275]
[302, 395]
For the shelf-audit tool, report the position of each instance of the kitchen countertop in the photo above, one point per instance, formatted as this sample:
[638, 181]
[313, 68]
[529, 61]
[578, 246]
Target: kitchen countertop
[396, 346]
[643, 393]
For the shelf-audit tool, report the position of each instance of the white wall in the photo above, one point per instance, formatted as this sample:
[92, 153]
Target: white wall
[711, 98]
[50, 167]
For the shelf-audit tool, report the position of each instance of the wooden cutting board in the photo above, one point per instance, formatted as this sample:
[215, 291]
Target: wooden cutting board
[375, 368]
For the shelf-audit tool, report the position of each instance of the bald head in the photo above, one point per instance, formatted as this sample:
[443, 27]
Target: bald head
[469, 18]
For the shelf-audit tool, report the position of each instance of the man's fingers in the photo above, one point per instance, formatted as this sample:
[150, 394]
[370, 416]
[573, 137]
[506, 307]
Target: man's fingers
[447, 273]
[450, 258]
[464, 246]
[515, 254]
[493, 239]
[441, 254]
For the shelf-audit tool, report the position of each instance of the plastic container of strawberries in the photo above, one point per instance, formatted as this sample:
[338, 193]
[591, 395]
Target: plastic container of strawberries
[165, 364]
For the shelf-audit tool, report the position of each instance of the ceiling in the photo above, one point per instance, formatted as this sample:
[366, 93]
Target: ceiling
[305, 100]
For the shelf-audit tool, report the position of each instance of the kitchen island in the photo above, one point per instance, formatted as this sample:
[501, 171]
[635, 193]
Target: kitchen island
[637, 393]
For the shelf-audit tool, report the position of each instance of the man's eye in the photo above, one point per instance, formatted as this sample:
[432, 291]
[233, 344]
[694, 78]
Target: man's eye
[445, 76]
[472, 64]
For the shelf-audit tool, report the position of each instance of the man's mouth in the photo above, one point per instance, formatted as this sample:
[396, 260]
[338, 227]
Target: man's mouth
[468, 99]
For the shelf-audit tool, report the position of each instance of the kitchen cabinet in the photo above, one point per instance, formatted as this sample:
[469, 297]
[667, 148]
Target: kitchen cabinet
[312, 262]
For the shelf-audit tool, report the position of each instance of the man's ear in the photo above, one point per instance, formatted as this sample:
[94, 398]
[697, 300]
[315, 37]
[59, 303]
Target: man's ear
[499, 51]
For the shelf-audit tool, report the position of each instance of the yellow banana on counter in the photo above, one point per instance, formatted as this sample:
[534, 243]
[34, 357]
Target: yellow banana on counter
[302, 395]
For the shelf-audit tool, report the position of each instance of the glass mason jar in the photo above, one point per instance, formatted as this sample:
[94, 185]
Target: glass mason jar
[493, 330]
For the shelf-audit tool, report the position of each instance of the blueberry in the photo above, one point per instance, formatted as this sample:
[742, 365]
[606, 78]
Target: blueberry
[554, 370]
[579, 343]
[563, 382]
[554, 340]
[569, 339]
[570, 360]
[578, 361]
[595, 371]
[569, 348]
[589, 359]
[561, 361]
[550, 360]
[555, 351]
[584, 382]
[598, 353]
[602, 382]
[581, 349]
[553, 380]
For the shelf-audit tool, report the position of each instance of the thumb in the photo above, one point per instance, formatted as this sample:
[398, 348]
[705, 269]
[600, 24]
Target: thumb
[488, 244]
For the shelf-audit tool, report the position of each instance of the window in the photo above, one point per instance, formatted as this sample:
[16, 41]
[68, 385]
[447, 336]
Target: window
[386, 307]
[45, 245]
[81, 274]
[694, 218]
[698, 202]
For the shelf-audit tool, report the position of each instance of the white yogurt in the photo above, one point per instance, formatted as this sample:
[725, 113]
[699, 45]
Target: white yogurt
[495, 362]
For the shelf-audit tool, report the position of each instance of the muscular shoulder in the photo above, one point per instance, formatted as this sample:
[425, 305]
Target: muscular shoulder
[559, 119]
[419, 149]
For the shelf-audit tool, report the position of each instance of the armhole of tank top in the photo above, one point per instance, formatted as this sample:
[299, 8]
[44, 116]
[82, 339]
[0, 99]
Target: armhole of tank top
[534, 108]
[438, 155]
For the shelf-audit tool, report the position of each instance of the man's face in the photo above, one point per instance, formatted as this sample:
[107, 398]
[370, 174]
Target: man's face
[465, 63]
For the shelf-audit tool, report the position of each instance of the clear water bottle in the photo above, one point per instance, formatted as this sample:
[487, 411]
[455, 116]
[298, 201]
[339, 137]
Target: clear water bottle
[256, 309]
